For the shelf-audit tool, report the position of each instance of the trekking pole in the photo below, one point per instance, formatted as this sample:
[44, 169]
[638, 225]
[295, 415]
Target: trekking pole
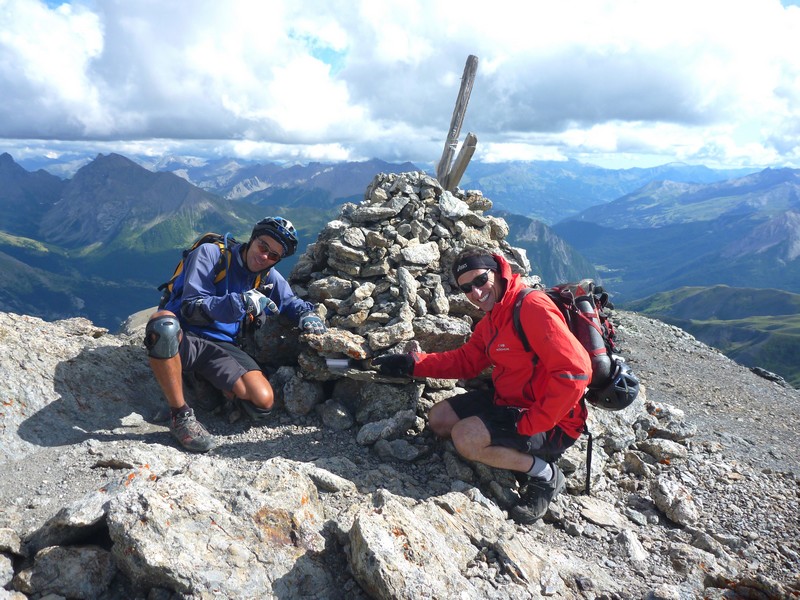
[589, 463]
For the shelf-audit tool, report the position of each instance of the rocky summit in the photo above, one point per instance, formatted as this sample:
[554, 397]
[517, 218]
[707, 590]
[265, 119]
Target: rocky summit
[344, 493]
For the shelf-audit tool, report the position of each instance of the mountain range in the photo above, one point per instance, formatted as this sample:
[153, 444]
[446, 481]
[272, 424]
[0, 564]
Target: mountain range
[548, 191]
[98, 243]
[743, 232]
[95, 244]
[551, 191]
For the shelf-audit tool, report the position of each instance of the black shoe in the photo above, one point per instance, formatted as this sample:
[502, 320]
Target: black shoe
[236, 408]
[255, 413]
[536, 496]
[202, 394]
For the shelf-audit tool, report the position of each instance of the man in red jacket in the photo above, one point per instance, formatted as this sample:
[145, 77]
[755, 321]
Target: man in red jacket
[536, 411]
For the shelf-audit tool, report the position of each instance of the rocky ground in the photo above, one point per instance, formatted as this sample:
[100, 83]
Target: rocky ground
[344, 493]
[743, 464]
[740, 465]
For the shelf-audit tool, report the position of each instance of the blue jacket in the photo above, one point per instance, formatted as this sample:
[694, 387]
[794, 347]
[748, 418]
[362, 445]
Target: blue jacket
[220, 307]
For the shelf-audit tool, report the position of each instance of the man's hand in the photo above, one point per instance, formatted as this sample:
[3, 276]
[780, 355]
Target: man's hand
[266, 289]
[311, 323]
[271, 306]
[395, 365]
[256, 303]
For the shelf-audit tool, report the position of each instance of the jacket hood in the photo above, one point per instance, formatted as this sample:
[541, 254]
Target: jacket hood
[513, 283]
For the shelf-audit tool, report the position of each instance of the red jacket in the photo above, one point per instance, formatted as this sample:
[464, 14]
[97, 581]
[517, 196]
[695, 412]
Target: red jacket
[549, 381]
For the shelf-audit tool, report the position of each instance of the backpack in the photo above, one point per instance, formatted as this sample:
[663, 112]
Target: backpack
[586, 310]
[224, 242]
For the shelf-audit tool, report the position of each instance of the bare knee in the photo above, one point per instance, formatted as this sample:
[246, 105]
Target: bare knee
[470, 438]
[442, 418]
[264, 398]
[255, 388]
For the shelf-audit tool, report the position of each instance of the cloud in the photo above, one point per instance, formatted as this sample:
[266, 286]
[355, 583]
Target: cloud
[704, 80]
[44, 69]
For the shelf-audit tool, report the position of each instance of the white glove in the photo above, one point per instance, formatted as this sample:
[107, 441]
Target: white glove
[256, 303]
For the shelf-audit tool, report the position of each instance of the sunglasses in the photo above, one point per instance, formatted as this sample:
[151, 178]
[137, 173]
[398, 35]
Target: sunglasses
[264, 248]
[479, 281]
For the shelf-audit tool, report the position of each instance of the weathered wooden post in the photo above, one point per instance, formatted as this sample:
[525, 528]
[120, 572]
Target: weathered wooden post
[443, 168]
[461, 162]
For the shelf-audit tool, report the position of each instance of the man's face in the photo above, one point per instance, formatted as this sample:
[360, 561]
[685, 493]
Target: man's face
[481, 285]
[263, 253]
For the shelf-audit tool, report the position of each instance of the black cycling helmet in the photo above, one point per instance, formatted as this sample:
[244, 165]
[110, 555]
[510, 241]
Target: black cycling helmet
[618, 394]
[279, 229]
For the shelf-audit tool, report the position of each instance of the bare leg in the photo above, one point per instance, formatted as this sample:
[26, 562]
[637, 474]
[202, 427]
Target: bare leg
[254, 387]
[169, 375]
[473, 442]
[169, 372]
[442, 418]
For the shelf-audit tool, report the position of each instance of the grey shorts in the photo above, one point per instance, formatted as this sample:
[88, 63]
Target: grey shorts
[547, 445]
[221, 363]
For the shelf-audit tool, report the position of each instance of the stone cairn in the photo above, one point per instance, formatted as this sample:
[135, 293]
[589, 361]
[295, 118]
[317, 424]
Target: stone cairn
[381, 276]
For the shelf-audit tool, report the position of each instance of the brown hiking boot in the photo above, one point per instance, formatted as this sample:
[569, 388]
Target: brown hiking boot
[190, 433]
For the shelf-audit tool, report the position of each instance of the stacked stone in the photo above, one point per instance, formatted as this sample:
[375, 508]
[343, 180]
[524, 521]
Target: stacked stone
[380, 274]
[382, 269]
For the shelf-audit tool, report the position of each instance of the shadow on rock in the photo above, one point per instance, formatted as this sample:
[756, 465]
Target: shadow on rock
[105, 392]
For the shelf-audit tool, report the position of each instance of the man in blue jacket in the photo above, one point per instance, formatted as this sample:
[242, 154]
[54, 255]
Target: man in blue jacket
[198, 329]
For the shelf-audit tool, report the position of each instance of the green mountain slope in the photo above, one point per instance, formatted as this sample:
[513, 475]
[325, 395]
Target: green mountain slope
[755, 327]
[50, 295]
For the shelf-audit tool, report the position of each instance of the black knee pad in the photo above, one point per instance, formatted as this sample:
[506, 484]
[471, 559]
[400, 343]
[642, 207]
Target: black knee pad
[162, 337]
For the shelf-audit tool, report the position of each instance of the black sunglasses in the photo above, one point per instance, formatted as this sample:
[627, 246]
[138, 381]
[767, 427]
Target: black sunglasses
[264, 248]
[479, 281]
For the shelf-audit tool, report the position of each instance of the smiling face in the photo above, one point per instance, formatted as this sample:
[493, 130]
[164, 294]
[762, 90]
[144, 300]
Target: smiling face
[483, 285]
[262, 253]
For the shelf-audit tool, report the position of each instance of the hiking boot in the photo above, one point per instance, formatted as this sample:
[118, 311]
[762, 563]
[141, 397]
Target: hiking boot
[191, 433]
[536, 496]
[203, 395]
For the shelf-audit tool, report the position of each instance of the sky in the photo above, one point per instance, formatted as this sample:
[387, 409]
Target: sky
[616, 83]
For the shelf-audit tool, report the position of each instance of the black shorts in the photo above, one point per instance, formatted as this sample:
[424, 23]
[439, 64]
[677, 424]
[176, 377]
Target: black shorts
[221, 363]
[547, 445]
